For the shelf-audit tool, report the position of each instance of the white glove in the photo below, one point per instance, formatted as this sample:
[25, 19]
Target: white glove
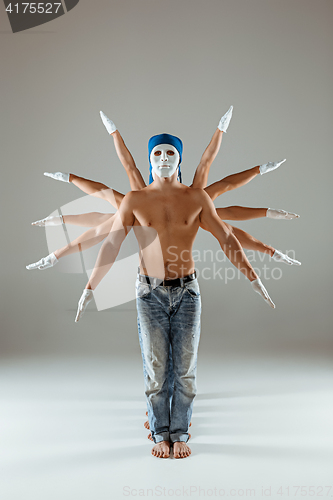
[271, 165]
[86, 297]
[49, 221]
[280, 214]
[281, 257]
[225, 120]
[44, 263]
[109, 125]
[58, 176]
[259, 288]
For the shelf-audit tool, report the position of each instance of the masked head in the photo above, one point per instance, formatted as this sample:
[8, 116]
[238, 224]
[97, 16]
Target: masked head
[165, 156]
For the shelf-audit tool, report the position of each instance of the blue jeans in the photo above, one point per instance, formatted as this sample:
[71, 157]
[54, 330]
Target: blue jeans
[169, 332]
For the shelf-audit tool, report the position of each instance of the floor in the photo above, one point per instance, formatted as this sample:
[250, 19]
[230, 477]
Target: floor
[72, 428]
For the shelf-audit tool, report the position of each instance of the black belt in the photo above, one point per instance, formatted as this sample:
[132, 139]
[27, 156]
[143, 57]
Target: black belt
[157, 281]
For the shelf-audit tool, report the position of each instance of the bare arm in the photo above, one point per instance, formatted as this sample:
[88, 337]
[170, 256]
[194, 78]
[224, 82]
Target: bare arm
[211, 222]
[97, 189]
[88, 239]
[90, 219]
[240, 213]
[127, 161]
[231, 182]
[123, 221]
[201, 174]
[202, 171]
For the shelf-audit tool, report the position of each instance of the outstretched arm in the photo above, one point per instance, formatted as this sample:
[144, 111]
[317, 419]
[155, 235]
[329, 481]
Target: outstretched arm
[124, 155]
[251, 243]
[247, 213]
[231, 182]
[88, 186]
[86, 240]
[201, 174]
[235, 181]
[211, 222]
[90, 219]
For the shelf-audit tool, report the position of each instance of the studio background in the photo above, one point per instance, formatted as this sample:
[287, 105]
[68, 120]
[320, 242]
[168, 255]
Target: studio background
[155, 66]
[171, 66]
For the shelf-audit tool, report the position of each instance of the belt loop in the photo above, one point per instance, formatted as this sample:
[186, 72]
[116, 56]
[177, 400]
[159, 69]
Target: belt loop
[182, 282]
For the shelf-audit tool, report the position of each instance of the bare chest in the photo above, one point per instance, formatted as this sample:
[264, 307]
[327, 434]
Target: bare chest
[166, 213]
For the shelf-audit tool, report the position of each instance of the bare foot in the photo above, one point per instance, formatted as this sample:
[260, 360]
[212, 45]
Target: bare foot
[151, 439]
[181, 450]
[161, 450]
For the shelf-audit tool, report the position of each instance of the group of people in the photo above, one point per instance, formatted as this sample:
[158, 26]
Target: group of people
[166, 216]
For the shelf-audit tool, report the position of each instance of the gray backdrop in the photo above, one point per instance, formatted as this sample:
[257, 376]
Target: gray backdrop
[170, 66]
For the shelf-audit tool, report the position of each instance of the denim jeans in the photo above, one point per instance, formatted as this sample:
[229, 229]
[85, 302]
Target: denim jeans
[169, 332]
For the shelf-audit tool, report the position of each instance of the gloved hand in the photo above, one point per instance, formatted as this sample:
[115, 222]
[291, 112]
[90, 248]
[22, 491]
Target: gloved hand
[280, 214]
[225, 120]
[86, 297]
[109, 125]
[281, 257]
[271, 165]
[44, 263]
[58, 176]
[259, 288]
[49, 221]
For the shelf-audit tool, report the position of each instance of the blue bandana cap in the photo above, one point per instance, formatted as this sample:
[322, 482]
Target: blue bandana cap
[165, 139]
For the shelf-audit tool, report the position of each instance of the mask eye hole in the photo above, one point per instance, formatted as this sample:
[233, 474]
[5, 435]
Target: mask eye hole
[170, 153]
[157, 153]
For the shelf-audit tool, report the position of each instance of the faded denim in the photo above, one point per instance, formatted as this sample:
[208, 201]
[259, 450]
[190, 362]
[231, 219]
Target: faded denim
[169, 333]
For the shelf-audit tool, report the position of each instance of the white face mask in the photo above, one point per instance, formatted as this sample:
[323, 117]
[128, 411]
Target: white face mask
[164, 160]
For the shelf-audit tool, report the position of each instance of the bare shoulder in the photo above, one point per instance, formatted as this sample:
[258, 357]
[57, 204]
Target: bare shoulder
[201, 196]
[131, 198]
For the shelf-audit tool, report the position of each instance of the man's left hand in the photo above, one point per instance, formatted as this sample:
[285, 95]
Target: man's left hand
[86, 297]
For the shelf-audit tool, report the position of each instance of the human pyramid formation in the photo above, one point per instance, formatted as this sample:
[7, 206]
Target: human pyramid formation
[168, 296]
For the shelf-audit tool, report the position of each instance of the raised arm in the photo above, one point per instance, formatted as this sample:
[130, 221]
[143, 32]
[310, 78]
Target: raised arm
[201, 174]
[123, 221]
[235, 181]
[211, 222]
[124, 155]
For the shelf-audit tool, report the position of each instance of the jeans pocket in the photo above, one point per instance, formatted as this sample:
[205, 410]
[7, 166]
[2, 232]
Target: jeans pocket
[141, 290]
[193, 289]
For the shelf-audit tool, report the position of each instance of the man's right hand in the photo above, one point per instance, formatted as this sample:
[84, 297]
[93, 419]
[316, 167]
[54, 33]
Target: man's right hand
[58, 176]
[43, 263]
[259, 288]
[49, 221]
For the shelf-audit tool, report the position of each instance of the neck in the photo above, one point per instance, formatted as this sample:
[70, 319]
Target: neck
[165, 182]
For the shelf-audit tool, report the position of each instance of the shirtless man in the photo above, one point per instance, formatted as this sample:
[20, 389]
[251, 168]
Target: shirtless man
[166, 217]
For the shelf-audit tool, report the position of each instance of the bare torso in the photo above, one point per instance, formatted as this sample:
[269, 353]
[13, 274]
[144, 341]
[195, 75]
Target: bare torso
[167, 222]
